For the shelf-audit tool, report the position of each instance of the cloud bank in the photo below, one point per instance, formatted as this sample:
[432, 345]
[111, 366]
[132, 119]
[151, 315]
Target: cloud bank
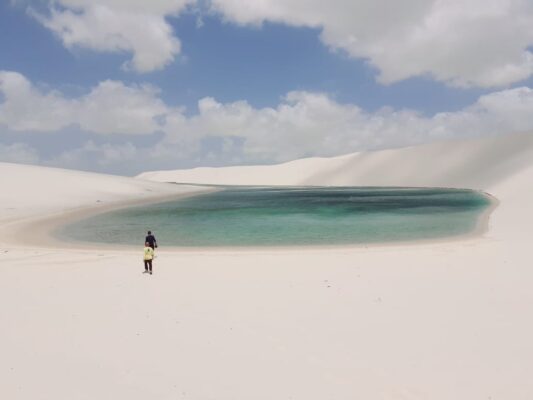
[302, 124]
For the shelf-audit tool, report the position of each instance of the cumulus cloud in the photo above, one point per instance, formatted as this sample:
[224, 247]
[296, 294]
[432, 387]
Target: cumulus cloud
[137, 27]
[302, 124]
[483, 43]
[110, 107]
[314, 124]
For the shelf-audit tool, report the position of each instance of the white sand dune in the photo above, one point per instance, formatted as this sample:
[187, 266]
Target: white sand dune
[475, 164]
[445, 320]
[30, 191]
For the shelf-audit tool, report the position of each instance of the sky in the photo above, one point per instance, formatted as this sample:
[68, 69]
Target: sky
[125, 86]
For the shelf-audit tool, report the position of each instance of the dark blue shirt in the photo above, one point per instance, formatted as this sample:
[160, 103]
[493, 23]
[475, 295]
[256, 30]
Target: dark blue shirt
[150, 239]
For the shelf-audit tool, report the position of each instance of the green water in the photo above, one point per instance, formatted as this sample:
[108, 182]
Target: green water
[291, 216]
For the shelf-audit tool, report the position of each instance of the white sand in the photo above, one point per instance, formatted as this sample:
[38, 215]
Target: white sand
[447, 320]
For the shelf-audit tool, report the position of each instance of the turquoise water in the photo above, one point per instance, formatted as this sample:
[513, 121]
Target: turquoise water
[266, 216]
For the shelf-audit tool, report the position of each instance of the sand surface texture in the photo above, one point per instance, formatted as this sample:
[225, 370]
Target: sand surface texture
[449, 320]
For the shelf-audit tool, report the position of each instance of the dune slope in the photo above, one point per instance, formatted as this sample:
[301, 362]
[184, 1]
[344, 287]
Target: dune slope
[35, 191]
[476, 164]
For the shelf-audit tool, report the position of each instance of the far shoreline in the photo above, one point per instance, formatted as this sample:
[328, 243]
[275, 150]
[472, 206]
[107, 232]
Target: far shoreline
[40, 232]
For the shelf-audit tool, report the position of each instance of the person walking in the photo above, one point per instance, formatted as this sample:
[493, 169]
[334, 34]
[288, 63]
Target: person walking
[150, 239]
[148, 258]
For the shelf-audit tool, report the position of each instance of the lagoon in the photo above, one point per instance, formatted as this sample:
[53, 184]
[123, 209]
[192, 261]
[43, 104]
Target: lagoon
[291, 216]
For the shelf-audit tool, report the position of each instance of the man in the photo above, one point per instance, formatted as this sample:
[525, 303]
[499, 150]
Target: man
[150, 239]
[148, 258]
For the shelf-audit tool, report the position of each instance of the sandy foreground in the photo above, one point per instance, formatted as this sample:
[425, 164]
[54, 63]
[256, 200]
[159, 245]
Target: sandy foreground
[448, 320]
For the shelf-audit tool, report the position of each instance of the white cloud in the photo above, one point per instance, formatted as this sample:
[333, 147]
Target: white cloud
[302, 124]
[484, 43]
[464, 43]
[138, 27]
[26, 108]
[306, 124]
[110, 107]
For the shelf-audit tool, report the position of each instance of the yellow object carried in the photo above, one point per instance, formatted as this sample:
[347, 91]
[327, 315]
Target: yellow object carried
[148, 253]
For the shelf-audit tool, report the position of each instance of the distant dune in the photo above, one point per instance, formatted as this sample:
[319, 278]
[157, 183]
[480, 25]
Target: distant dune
[476, 164]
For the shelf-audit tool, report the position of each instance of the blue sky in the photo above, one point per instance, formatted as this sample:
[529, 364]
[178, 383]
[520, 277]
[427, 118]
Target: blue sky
[242, 66]
[224, 61]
